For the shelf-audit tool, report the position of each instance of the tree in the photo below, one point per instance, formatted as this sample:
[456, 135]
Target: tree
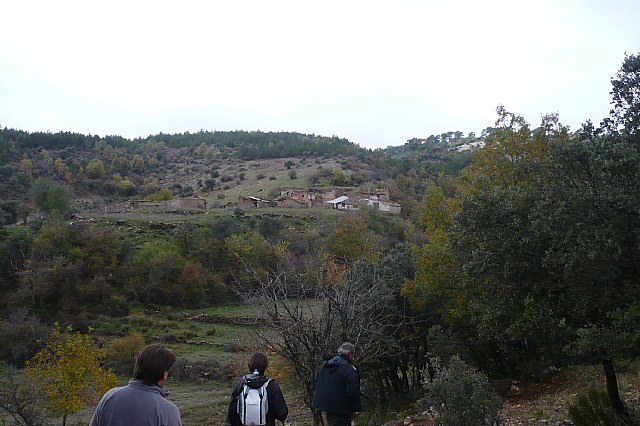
[20, 400]
[337, 177]
[436, 264]
[8, 212]
[48, 196]
[160, 264]
[95, 169]
[26, 167]
[163, 194]
[308, 318]
[352, 241]
[625, 94]
[21, 335]
[69, 372]
[555, 261]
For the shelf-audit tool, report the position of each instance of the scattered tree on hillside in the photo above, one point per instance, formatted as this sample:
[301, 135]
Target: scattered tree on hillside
[164, 194]
[95, 169]
[48, 196]
[352, 241]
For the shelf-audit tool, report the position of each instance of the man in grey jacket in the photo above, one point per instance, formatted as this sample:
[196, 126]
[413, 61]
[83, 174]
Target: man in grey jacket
[142, 402]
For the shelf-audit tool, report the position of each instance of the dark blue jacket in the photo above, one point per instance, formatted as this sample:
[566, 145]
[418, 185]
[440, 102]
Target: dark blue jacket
[337, 389]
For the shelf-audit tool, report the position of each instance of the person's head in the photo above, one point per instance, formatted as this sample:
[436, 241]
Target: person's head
[153, 364]
[258, 361]
[347, 350]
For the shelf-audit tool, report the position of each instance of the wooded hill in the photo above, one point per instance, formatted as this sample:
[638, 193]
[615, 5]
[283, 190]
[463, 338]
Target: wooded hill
[518, 259]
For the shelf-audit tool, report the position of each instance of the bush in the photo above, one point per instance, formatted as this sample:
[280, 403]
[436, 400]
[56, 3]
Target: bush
[459, 395]
[21, 400]
[592, 408]
[122, 352]
[21, 336]
[376, 416]
[199, 371]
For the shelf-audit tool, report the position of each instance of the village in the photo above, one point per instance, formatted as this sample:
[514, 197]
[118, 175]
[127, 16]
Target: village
[295, 198]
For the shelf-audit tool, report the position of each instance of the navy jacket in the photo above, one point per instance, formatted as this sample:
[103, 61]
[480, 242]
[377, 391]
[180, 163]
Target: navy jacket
[337, 389]
[278, 409]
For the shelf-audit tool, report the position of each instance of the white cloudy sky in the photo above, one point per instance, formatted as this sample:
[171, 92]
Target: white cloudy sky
[376, 72]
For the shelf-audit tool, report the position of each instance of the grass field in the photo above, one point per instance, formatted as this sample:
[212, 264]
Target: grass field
[201, 402]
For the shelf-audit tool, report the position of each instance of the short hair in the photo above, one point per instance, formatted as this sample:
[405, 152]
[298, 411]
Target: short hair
[258, 361]
[152, 362]
[347, 348]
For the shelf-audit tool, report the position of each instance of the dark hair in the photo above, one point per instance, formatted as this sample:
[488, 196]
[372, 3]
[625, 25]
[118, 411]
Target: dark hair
[152, 362]
[258, 361]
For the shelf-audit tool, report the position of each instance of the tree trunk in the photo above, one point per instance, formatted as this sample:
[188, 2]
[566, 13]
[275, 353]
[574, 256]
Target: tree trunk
[64, 419]
[612, 388]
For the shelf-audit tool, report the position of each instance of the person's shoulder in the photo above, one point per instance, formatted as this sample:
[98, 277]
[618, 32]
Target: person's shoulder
[271, 382]
[168, 405]
[113, 391]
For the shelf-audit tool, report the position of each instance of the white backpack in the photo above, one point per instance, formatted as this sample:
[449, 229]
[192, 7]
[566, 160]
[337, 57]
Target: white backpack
[253, 404]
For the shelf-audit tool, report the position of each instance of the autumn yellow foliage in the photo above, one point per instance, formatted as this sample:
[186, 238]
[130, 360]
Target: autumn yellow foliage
[68, 371]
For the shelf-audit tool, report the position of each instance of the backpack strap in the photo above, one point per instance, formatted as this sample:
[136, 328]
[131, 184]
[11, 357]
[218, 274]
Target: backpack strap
[263, 391]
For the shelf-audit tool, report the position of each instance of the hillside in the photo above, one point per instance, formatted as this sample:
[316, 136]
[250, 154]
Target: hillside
[218, 244]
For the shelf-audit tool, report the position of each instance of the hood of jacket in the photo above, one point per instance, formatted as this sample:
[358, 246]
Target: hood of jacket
[336, 362]
[254, 380]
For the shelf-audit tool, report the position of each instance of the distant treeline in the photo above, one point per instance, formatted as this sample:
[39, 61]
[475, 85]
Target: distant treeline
[246, 145]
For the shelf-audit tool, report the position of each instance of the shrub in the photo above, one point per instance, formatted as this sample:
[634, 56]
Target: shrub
[459, 395]
[376, 416]
[21, 400]
[592, 408]
[122, 352]
[199, 371]
[21, 336]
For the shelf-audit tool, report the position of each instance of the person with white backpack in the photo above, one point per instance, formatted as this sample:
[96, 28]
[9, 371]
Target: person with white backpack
[256, 399]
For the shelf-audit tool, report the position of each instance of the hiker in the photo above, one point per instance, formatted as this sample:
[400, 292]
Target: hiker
[256, 399]
[337, 387]
[142, 402]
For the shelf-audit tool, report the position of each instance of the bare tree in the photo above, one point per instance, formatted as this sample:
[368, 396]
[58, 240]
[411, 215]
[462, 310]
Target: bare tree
[308, 316]
[20, 401]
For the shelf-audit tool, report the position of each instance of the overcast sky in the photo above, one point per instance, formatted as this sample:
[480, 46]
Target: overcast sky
[375, 72]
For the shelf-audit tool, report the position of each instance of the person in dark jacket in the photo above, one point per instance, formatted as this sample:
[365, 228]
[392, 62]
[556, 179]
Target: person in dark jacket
[337, 387]
[278, 409]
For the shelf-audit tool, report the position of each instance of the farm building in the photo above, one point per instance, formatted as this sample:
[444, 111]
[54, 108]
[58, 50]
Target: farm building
[341, 203]
[249, 202]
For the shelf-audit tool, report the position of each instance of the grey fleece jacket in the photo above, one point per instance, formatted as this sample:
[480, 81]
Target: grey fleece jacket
[136, 404]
